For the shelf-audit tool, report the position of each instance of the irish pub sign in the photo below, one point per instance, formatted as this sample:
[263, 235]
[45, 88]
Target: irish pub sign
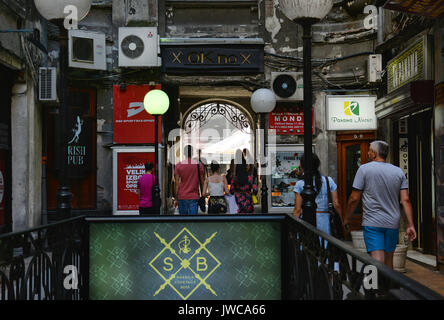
[215, 58]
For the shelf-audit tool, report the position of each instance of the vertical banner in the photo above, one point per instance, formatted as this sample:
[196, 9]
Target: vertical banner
[130, 167]
[132, 124]
[79, 147]
[404, 156]
[2, 187]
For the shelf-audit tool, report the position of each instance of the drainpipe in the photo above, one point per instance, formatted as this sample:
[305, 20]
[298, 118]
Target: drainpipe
[44, 218]
[380, 25]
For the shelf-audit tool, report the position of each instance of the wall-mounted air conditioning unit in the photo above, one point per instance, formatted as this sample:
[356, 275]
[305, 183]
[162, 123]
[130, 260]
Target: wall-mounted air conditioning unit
[87, 50]
[374, 67]
[47, 84]
[287, 86]
[138, 47]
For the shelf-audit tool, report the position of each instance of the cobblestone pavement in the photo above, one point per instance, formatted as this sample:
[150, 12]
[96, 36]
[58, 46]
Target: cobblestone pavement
[429, 278]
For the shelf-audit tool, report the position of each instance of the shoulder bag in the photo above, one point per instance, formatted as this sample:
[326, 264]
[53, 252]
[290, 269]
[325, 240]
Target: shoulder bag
[336, 227]
[201, 201]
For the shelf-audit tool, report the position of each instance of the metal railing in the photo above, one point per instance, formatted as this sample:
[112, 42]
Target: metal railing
[316, 265]
[33, 262]
[323, 267]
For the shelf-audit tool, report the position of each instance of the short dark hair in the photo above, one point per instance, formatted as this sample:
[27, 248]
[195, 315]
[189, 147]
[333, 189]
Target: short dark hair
[381, 147]
[214, 166]
[149, 166]
[188, 151]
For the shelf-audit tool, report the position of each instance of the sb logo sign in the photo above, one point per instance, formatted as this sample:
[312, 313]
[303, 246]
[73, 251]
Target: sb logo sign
[185, 264]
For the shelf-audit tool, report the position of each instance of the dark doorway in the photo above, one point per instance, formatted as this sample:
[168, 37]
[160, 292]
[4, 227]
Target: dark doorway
[6, 82]
[82, 167]
[421, 180]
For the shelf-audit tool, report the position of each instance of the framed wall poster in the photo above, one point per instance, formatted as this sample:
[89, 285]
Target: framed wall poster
[128, 167]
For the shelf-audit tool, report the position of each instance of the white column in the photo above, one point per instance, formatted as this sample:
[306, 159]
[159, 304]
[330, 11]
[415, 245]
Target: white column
[26, 141]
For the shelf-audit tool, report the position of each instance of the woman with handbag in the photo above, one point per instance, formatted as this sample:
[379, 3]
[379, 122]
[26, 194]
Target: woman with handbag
[243, 187]
[324, 211]
[145, 191]
[215, 186]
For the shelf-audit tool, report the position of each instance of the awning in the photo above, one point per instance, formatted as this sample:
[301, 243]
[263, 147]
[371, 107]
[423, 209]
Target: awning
[432, 9]
[405, 100]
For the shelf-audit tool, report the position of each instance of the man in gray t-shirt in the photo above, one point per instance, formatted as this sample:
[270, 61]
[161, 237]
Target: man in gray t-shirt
[383, 187]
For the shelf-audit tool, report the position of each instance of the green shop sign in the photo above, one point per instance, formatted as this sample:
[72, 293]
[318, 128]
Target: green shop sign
[351, 113]
[410, 65]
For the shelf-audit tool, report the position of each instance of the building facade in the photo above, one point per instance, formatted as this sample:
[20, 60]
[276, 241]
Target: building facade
[409, 111]
[212, 56]
[21, 117]
[209, 57]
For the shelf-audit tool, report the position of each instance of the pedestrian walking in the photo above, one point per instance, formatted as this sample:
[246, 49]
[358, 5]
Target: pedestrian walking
[251, 166]
[321, 196]
[187, 183]
[145, 186]
[203, 161]
[243, 187]
[230, 172]
[216, 186]
[382, 187]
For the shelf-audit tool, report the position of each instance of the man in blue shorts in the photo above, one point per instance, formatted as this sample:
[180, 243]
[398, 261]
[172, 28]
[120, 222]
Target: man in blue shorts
[382, 187]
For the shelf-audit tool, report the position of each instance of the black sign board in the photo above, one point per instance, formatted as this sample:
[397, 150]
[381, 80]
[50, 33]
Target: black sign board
[218, 59]
[80, 135]
[79, 147]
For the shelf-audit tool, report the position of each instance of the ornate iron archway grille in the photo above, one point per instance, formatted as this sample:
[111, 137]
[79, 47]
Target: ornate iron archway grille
[201, 115]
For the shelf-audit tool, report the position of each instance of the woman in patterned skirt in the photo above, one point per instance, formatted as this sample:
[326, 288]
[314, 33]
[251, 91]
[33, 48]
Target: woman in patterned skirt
[243, 186]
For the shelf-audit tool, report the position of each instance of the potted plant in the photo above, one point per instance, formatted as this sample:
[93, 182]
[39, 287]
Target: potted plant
[358, 240]
[400, 254]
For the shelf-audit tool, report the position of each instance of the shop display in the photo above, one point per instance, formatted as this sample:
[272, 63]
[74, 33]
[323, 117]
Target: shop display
[286, 171]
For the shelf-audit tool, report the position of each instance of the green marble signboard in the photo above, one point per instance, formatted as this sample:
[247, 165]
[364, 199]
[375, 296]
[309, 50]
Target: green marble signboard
[185, 260]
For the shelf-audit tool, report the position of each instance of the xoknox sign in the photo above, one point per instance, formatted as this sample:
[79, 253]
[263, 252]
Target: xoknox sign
[351, 113]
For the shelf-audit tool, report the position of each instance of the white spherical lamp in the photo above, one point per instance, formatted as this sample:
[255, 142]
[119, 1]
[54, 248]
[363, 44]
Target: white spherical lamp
[156, 102]
[305, 9]
[263, 100]
[55, 9]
